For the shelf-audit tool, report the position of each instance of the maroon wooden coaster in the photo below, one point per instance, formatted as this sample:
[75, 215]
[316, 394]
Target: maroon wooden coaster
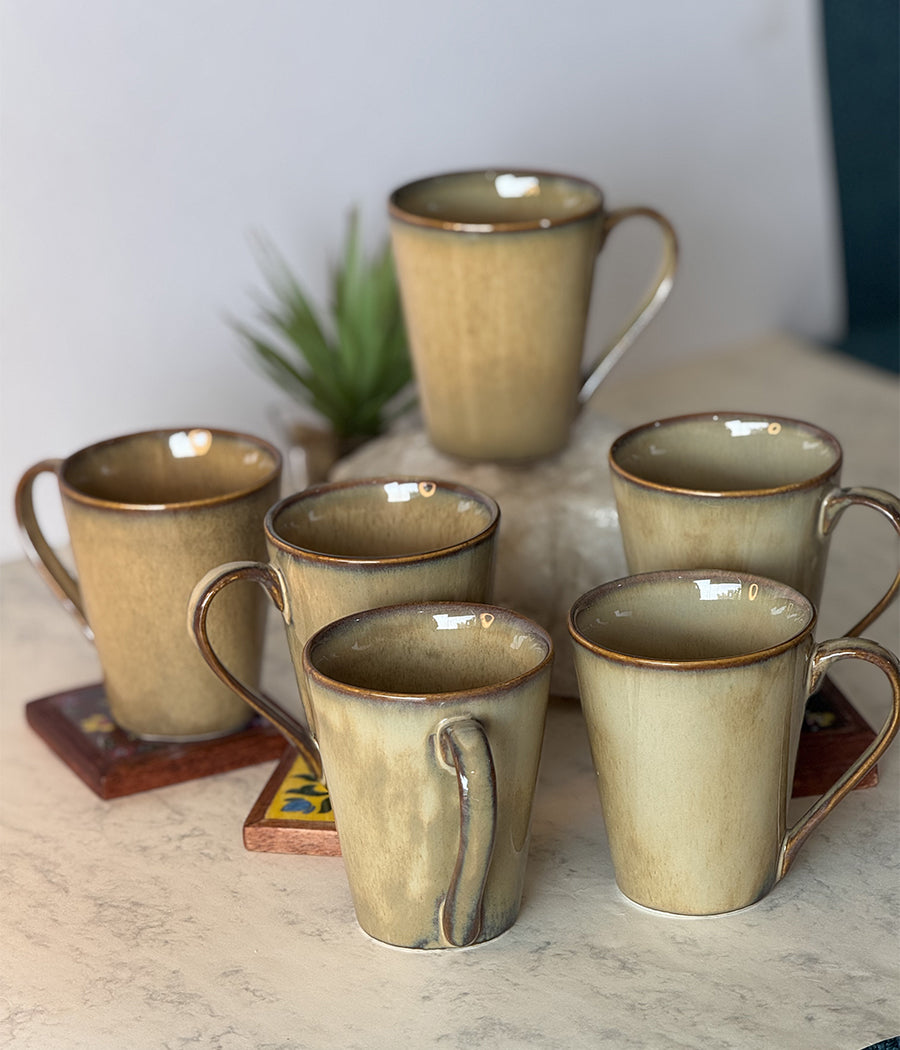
[834, 735]
[77, 726]
[293, 812]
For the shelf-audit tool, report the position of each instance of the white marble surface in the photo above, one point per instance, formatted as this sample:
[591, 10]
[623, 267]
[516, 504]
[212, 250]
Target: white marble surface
[143, 923]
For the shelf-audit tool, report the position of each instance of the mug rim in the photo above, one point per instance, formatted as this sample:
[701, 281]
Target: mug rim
[482, 498]
[397, 211]
[423, 607]
[706, 417]
[714, 662]
[80, 496]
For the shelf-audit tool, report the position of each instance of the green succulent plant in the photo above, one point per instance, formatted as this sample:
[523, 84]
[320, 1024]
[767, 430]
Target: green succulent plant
[352, 370]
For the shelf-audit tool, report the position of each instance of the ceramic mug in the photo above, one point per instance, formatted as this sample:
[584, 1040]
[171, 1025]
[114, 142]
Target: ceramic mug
[757, 493]
[147, 515]
[495, 271]
[693, 686]
[337, 548]
[430, 719]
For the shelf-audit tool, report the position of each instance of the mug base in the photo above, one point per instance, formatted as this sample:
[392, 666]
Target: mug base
[194, 738]
[502, 457]
[662, 914]
[419, 949]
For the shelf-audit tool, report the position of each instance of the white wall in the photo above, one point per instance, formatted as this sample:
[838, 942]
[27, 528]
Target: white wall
[142, 143]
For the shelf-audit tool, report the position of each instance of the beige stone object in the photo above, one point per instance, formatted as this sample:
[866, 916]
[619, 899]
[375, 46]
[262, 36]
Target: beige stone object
[558, 534]
[430, 719]
[693, 686]
[496, 273]
[148, 514]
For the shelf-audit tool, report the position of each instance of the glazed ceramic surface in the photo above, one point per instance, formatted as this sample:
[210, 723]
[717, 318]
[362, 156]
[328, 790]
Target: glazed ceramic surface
[693, 686]
[148, 514]
[339, 548]
[757, 493]
[430, 720]
[496, 272]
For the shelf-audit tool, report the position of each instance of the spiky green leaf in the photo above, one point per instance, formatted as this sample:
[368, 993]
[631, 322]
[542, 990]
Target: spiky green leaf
[351, 371]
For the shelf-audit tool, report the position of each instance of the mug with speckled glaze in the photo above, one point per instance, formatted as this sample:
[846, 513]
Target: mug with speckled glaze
[737, 490]
[430, 719]
[496, 273]
[693, 686]
[147, 515]
[338, 548]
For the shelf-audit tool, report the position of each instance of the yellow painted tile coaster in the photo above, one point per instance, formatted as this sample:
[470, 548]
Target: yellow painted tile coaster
[293, 813]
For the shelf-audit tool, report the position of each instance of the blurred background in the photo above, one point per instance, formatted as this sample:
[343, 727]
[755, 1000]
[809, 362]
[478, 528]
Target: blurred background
[143, 146]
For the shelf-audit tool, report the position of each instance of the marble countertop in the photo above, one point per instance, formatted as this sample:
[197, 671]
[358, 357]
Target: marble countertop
[144, 923]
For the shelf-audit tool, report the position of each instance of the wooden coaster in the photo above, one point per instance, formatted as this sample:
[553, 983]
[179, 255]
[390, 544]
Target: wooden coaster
[77, 726]
[834, 735]
[293, 812]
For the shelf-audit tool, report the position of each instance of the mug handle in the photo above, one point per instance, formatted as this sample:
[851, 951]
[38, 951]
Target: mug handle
[833, 507]
[462, 745]
[39, 552]
[651, 304]
[824, 654]
[198, 610]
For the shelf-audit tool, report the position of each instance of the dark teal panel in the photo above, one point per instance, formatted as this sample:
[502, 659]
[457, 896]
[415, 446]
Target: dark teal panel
[862, 48]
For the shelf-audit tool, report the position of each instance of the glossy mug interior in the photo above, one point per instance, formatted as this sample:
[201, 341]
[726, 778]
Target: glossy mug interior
[338, 548]
[496, 273]
[148, 514]
[737, 490]
[694, 685]
[430, 719]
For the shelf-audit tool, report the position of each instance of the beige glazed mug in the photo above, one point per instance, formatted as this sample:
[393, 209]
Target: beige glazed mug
[147, 515]
[338, 548]
[693, 686]
[496, 272]
[430, 719]
[740, 491]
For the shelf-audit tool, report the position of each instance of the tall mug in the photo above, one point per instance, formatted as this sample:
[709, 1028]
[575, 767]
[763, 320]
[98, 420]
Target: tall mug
[147, 515]
[738, 490]
[430, 718]
[338, 548]
[496, 273]
[694, 685]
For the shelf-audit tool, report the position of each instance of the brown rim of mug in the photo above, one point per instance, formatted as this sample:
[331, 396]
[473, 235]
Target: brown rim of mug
[482, 692]
[209, 501]
[401, 214]
[713, 663]
[488, 502]
[794, 486]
